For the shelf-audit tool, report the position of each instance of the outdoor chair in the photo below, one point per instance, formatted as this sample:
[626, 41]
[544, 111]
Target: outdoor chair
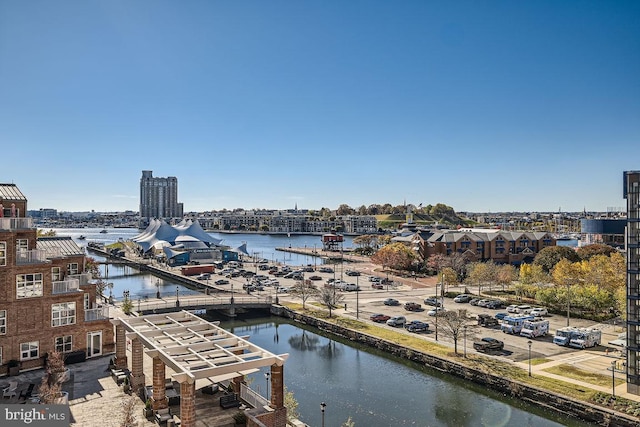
[26, 394]
[163, 415]
[10, 391]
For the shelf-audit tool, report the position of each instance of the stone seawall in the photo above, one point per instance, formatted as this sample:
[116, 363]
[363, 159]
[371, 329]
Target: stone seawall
[560, 404]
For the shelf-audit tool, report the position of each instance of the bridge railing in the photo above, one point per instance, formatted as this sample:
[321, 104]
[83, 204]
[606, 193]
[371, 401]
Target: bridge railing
[199, 301]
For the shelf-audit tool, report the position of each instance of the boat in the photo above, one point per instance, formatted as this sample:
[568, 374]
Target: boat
[104, 231]
[81, 237]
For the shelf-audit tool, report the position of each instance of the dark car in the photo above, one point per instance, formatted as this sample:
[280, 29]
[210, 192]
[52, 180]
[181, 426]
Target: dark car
[315, 278]
[352, 273]
[488, 344]
[391, 301]
[412, 306]
[222, 282]
[416, 326]
[379, 318]
[495, 304]
[474, 301]
[487, 320]
[501, 315]
[432, 301]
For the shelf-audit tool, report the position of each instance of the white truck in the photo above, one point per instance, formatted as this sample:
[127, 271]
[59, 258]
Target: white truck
[534, 328]
[513, 324]
[586, 338]
[564, 335]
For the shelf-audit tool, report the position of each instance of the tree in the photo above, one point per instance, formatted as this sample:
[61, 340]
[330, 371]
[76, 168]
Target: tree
[395, 255]
[348, 423]
[291, 404]
[533, 274]
[305, 290]
[43, 233]
[451, 324]
[345, 210]
[330, 298]
[548, 257]
[128, 408]
[505, 275]
[588, 251]
[51, 385]
[481, 273]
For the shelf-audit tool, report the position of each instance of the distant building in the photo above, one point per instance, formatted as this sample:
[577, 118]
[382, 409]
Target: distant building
[47, 302]
[631, 192]
[159, 198]
[606, 231]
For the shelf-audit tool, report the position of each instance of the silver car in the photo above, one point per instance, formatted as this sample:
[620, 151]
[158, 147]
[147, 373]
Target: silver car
[397, 321]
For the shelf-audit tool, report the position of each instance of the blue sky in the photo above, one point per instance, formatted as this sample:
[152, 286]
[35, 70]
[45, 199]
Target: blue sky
[482, 105]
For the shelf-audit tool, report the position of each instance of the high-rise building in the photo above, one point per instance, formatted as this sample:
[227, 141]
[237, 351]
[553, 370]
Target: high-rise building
[159, 197]
[632, 194]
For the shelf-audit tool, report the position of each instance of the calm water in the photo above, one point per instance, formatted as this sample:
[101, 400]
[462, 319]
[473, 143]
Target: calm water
[371, 387]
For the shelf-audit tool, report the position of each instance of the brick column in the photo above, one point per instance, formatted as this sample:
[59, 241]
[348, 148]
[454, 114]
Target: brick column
[236, 383]
[277, 387]
[187, 404]
[159, 396]
[121, 347]
[137, 368]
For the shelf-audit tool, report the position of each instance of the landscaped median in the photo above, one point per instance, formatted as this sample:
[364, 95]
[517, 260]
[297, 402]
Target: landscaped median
[561, 396]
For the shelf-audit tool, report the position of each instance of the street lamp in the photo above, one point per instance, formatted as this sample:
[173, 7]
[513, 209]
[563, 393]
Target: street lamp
[267, 376]
[529, 343]
[436, 309]
[357, 298]
[158, 288]
[613, 378]
[568, 304]
[464, 329]
[177, 300]
[322, 406]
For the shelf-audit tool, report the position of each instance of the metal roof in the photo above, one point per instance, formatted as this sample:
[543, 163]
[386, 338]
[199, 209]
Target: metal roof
[64, 245]
[11, 192]
[196, 349]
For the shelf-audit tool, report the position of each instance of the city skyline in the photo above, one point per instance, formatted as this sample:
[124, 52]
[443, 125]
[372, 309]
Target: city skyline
[485, 107]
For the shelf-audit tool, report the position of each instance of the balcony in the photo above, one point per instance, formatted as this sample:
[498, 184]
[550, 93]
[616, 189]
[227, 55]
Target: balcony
[33, 256]
[83, 278]
[93, 314]
[65, 286]
[16, 223]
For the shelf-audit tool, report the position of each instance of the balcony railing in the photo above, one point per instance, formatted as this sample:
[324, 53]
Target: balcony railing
[66, 286]
[100, 313]
[16, 223]
[31, 257]
[83, 278]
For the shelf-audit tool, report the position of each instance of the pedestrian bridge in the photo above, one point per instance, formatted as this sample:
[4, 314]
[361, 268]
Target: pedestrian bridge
[202, 303]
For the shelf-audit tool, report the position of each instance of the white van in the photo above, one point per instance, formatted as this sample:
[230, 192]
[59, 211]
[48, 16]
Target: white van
[349, 287]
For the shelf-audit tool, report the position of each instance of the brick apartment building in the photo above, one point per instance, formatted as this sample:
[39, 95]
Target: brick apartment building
[47, 302]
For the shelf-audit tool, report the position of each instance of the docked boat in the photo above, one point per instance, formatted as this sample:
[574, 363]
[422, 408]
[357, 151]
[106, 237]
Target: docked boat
[81, 237]
[104, 232]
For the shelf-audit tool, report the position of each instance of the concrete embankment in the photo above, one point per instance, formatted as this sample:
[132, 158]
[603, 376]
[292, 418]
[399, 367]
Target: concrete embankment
[561, 404]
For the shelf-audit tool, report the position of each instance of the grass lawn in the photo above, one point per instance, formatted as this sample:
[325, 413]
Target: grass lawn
[571, 371]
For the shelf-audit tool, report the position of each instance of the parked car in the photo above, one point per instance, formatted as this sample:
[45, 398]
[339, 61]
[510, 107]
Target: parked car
[621, 341]
[501, 315]
[484, 302]
[204, 276]
[512, 308]
[474, 301]
[397, 321]
[463, 298]
[436, 311]
[221, 282]
[432, 301]
[374, 279]
[487, 320]
[325, 270]
[416, 326]
[488, 343]
[376, 285]
[391, 301]
[352, 273]
[315, 278]
[412, 306]
[539, 312]
[523, 309]
[379, 317]
[495, 304]
[282, 290]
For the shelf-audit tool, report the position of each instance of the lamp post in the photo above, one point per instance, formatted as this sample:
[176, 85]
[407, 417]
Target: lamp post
[568, 304]
[177, 296]
[322, 406]
[442, 293]
[529, 344]
[357, 298]
[436, 309]
[613, 378]
[267, 376]
[231, 292]
[158, 288]
[464, 329]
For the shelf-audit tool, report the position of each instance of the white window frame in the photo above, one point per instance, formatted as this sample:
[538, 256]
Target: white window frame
[63, 314]
[3, 323]
[22, 245]
[63, 344]
[87, 301]
[3, 254]
[72, 268]
[56, 274]
[29, 350]
[29, 285]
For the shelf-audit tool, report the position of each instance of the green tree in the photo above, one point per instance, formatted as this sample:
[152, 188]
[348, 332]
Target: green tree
[291, 404]
[548, 257]
[588, 251]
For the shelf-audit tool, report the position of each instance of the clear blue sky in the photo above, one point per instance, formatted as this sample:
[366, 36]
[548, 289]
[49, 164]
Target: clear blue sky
[482, 105]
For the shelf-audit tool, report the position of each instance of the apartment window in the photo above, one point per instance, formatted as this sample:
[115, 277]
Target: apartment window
[72, 268]
[63, 314]
[29, 285]
[3, 323]
[64, 344]
[87, 302]
[29, 350]
[3, 253]
[22, 245]
[56, 274]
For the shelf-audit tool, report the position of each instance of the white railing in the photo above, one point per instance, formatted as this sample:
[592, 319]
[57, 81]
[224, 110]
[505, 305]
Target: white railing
[170, 302]
[253, 398]
[65, 286]
[31, 257]
[100, 313]
[83, 278]
[15, 223]
[53, 253]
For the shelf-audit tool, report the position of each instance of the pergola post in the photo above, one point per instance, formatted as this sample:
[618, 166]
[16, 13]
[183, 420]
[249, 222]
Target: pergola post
[121, 347]
[187, 404]
[137, 365]
[159, 396]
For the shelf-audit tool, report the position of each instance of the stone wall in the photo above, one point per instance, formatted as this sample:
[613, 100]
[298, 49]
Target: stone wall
[561, 404]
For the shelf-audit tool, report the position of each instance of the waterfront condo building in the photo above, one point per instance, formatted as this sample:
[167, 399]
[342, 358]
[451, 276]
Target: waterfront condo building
[47, 300]
[159, 198]
[631, 192]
